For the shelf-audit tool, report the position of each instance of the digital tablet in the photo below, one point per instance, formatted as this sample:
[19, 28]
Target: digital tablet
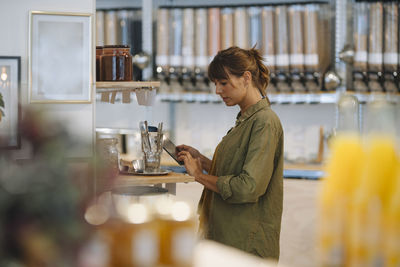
[171, 150]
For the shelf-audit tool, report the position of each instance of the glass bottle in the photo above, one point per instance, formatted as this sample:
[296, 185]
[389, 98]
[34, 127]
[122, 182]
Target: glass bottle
[347, 114]
[380, 117]
[99, 53]
[116, 63]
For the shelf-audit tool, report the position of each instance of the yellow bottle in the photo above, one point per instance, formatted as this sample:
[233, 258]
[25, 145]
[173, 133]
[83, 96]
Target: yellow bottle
[343, 173]
[371, 201]
[392, 226]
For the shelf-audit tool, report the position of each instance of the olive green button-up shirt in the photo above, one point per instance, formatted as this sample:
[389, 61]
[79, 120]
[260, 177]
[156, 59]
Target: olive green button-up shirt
[247, 211]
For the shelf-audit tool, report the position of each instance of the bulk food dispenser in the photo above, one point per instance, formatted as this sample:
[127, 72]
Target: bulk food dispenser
[294, 39]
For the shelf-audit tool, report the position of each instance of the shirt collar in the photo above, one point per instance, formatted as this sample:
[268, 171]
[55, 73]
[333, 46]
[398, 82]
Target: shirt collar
[263, 103]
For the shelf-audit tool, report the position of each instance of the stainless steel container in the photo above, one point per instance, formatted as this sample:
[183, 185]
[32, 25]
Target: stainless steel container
[201, 39]
[214, 33]
[162, 39]
[175, 40]
[311, 57]
[188, 39]
[375, 48]
[226, 28]
[254, 14]
[282, 41]
[296, 49]
[391, 30]
[241, 28]
[110, 25]
[268, 36]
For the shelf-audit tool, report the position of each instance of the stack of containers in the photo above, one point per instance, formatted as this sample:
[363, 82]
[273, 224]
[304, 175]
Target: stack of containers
[268, 42]
[241, 28]
[255, 27]
[213, 32]
[360, 46]
[311, 52]
[175, 40]
[201, 48]
[296, 56]
[289, 38]
[390, 48]
[188, 48]
[376, 45]
[282, 49]
[226, 28]
[162, 47]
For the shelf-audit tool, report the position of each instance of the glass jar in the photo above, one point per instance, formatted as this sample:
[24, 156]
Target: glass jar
[348, 114]
[116, 63]
[108, 155]
[99, 53]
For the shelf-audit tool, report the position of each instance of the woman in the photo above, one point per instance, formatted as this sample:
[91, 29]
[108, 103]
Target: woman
[241, 204]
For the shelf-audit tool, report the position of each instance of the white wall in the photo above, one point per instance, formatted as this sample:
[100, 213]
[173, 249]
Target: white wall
[203, 125]
[14, 18]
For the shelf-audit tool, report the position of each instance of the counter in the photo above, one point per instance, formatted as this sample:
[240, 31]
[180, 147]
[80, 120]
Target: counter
[169, 180]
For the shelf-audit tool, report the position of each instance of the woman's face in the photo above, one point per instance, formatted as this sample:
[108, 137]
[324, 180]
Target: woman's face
[231, 90]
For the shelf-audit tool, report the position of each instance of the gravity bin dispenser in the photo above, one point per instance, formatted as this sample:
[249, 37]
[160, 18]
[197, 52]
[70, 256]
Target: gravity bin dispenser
[295, 39]
[375, 65]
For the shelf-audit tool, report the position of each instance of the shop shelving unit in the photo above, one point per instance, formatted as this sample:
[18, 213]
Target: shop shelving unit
[341, 27]
[125, 86]
[185, 3]
[279, 98]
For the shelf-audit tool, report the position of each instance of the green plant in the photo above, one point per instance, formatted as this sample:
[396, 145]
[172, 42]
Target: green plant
[1, 106]
[41, 199]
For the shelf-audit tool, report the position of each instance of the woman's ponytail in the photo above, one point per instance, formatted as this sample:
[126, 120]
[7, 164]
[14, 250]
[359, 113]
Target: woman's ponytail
[262, 79]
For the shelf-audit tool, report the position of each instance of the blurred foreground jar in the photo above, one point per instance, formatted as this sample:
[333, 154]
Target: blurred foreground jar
[150, 231]
[116, 63]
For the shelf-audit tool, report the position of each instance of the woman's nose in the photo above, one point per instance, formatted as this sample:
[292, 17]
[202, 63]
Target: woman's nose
[218, 89]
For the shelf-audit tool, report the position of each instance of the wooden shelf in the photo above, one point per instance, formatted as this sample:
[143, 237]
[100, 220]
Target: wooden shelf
[131, 180]
[126, 88]
[107, 87]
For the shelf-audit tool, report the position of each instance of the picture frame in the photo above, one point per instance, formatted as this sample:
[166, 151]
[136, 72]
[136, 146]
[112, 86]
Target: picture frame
[60, 57]
[10, 79]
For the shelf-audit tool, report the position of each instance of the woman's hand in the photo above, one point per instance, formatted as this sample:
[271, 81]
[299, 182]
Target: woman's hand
[193, 152]
[205, 162]
[192, 165]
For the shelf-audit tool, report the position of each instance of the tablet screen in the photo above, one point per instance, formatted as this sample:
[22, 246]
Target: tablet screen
[171, 150]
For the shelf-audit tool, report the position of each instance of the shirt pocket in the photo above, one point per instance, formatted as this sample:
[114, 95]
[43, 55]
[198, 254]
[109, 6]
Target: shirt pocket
[234, 148]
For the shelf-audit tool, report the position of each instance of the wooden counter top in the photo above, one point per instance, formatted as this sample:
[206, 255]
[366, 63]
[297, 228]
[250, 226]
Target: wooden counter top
[303, 167]
[172, 177]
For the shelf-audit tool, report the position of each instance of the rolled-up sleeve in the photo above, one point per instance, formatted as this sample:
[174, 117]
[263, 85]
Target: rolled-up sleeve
[258, 167]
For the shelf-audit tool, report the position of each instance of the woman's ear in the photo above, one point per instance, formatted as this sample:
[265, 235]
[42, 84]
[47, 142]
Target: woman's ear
[247, 77]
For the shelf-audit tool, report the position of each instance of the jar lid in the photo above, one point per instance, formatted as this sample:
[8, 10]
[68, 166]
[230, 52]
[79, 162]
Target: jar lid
[116, 46]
